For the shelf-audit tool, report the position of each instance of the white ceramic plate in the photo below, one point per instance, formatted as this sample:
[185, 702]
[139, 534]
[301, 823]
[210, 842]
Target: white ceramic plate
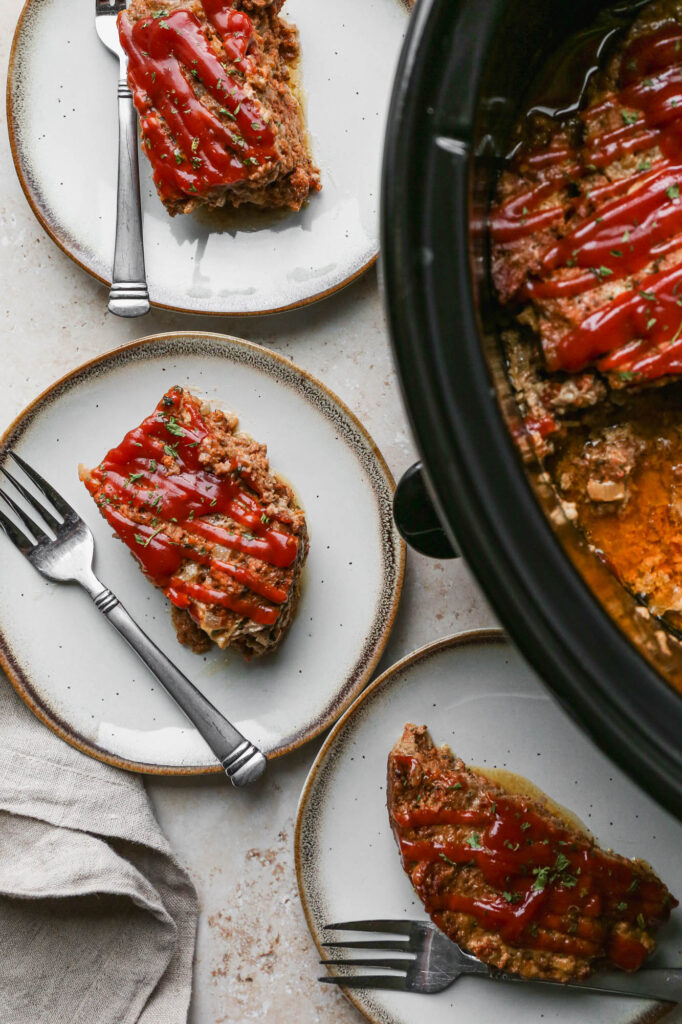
[79, 676]
[63, 127]
[476, 694]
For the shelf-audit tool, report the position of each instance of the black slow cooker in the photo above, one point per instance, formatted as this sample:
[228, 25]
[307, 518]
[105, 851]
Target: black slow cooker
[465, 74]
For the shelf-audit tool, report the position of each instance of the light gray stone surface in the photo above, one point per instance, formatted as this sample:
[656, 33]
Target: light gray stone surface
[255, 958]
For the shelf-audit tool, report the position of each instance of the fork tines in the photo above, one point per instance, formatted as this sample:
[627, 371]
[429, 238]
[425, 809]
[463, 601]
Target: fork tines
[47, 490]
[109, 6]
[387, 927]
[11, 529]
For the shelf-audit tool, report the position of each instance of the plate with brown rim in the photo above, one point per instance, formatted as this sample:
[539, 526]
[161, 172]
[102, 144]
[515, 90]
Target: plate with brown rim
[475, 693]
[62, 116]
[71, 667]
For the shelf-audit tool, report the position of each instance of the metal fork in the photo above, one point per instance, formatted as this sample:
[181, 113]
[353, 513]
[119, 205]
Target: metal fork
[67, 558]
[129, 295]
[431, 962]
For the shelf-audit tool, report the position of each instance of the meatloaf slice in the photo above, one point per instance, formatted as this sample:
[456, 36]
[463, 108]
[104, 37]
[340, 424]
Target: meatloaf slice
[509, 880]
[209, 523]
[212, 83]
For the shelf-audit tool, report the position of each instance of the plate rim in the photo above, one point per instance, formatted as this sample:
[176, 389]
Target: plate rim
[62, 242]
[14, 671]
[486, 635]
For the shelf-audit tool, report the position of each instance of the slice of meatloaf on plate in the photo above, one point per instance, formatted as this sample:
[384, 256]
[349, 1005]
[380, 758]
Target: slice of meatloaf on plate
[196, 503]
[212, 81]
[508, 879]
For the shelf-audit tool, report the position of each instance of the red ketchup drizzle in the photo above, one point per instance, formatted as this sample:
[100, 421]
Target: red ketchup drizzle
[632, 223]
[168, 57]
[132, 477]
[557, 883]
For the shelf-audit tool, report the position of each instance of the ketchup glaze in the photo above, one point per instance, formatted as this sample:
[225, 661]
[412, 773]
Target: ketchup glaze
[174, 72]
[627, 231]
[155, 492]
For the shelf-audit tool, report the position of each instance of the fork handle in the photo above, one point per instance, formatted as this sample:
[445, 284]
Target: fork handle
[650, 983]
[242, 761]
[129, 295]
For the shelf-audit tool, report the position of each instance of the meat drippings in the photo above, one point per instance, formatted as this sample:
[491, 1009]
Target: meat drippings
[625, 480]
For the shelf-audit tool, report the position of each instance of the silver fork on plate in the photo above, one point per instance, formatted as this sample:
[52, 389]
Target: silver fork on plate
[129, 295]
[431, 962]
[67, 558]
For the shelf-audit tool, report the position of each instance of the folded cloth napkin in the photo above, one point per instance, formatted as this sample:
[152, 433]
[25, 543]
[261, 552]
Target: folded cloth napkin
[97, 918]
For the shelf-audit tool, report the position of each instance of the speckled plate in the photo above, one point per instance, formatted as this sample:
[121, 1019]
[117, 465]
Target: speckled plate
[76, 673]
[62, 115]
[476, 694]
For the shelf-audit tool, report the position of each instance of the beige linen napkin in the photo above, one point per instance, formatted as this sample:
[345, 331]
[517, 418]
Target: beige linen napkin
[97, 918]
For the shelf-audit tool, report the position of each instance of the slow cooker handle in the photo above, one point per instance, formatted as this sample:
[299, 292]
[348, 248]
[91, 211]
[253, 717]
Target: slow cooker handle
[416, 517]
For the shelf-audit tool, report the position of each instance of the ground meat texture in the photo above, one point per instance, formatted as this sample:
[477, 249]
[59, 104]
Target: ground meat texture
[210, 524]
[509, 880]
[220, 121]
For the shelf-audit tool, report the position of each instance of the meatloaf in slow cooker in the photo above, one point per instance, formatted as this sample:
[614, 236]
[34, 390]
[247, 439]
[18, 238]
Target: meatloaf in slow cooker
[587, 258]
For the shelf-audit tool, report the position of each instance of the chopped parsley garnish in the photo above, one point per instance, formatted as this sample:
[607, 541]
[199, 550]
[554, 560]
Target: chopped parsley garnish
[541, 878]
[133, 477]
[622, 905]
[673, 191]
[179, 158]
[265, 519]
[447, 860]
[562, 862]
[170, 450]
[512, 897]
[474, 841]
[629, 117]
[173, 427]
[640, 921]
[558, 873]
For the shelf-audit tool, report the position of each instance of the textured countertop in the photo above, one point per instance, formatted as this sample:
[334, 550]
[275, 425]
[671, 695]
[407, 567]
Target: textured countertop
[255, 958]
